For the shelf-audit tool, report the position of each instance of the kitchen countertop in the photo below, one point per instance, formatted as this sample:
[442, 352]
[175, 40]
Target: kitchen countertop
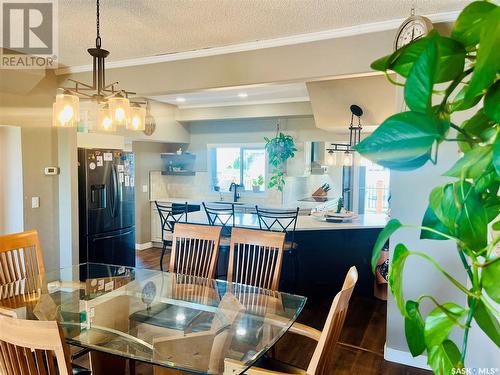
[304, 222]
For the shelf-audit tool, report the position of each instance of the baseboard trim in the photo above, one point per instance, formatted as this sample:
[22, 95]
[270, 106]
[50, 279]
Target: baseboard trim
[405, 358]
[143, 246]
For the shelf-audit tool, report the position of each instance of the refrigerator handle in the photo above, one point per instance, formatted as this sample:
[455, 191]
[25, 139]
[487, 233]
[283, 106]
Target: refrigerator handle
[114, 191]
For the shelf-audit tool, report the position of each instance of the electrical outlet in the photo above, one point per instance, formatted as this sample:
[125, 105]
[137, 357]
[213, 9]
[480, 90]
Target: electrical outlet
[35, 202]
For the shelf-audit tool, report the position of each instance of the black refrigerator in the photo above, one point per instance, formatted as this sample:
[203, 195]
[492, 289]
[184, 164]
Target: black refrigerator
[106, 206]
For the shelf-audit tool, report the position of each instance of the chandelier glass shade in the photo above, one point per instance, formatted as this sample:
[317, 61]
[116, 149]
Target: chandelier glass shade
[104, 120]
[114, 103]
[137, 118]
[119, 110]
[331, 159]
[347, 159]
[65, 111]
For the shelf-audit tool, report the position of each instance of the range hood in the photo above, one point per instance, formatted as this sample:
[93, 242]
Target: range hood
[318, 157]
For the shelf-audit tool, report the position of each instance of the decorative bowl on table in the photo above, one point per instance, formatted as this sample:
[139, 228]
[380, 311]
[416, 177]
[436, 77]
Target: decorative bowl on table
[332, 216]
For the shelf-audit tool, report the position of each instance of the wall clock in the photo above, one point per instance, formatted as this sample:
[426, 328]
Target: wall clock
[413, 28]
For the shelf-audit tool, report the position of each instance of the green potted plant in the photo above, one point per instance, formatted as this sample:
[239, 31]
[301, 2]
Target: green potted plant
[464, 211]
[257, 183]
[279, 149]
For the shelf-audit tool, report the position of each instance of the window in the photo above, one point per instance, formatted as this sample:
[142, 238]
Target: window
[374, 188]
[241, 165]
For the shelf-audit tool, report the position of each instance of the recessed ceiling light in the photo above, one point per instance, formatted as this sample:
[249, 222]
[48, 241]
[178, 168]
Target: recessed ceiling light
[180, 99]
[242, 95]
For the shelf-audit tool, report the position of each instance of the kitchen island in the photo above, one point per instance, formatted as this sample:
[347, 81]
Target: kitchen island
[324, 253]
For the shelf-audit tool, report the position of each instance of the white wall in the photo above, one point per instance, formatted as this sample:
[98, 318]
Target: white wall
[11, 180]
[410, 193]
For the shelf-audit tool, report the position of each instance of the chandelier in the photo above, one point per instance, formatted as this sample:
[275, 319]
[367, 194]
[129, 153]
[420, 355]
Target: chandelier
[113, 106]
[354, 138]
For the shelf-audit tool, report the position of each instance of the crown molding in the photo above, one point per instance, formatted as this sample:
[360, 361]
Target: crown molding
[262, 44]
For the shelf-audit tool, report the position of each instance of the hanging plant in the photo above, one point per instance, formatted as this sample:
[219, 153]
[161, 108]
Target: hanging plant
[279, 149]
[461, 211]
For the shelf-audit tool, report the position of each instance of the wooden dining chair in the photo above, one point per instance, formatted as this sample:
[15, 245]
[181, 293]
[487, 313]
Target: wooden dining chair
[35, 348]
[326, 340]
[255, 258]
[21, 262]
[195, 249]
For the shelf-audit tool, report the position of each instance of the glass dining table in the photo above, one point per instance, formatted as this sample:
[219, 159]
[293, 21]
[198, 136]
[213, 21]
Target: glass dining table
[176, 321]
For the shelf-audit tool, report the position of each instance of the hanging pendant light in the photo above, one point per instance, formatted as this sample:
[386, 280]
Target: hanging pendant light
[354, 138]
[137, 117]
[66, 110]
[117, 105]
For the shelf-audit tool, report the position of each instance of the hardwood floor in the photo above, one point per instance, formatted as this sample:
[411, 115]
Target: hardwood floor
[364, 328]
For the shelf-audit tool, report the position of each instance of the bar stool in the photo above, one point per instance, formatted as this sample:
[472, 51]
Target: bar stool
[170, 213]
[282, 220]
[221, 214]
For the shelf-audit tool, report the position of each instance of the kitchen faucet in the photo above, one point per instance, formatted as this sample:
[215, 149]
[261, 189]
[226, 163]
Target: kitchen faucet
[234, 188]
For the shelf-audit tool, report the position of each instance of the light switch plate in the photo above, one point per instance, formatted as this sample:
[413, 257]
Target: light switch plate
[144, 188]
[35, 202]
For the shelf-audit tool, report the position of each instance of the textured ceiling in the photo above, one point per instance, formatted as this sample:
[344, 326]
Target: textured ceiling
[138, 28]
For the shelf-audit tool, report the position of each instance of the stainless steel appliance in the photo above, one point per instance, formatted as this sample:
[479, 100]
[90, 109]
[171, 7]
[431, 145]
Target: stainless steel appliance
[106, 206]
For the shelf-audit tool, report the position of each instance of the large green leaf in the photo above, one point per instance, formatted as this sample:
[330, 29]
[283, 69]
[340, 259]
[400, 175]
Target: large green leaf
[381, 64]
[402, 60]
[460, 104]
[467, 27]
[414, 329]
[402, 138]
[488, 182]
[440, 321]
[487, 322]
[472, 221]
[479, 125]
[472, 164]
[418, 87]
[492, 204]
[392, 226]
[442, 202]
[430, 220]
[444, 358]
[460, 209]
[451, 57]
[396, 275]
[496, 156]
[490, 279]
[492, 102]
[407, 164]
[488, 56]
